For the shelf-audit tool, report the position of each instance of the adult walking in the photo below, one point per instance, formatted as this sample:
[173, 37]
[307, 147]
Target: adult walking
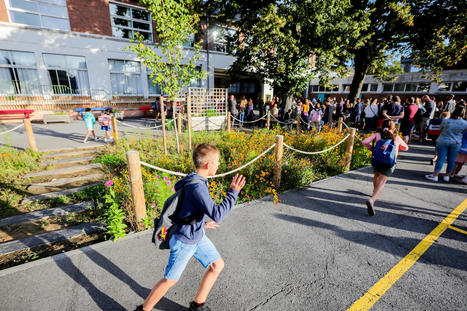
[449, 143]
[385, 146]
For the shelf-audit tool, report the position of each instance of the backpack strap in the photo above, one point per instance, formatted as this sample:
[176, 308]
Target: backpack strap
[190, 219]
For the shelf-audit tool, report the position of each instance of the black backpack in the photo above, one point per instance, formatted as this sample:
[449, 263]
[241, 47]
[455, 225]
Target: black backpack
[168, 222]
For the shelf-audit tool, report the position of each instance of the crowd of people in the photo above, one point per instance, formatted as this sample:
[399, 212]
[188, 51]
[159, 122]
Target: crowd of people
[412, 118]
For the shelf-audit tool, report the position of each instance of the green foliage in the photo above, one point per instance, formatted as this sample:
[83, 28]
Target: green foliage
[17, 162]
[111, 160]
[174, 25]
[115, 216]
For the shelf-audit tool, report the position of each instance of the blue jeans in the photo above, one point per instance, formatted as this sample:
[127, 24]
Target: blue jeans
[241, 117]
[180, 253]
[449, 151]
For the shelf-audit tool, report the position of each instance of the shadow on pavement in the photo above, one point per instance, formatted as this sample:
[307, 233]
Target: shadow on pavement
[103, 300]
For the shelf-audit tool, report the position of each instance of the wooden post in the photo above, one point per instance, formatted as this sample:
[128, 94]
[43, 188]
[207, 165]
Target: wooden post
[299, 117]
[277, 170]
[228, 122]
[269, 119]
[179, 123]
[188, 114]
[339, 124]
[32, 140]
[349, 149]
[164, 134]
[136, 184]
[114, 128]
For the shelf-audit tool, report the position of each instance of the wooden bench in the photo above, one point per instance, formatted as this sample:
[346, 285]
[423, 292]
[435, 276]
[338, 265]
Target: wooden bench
[49, 118]
[145, 109]
[24, 112]
[82, 110]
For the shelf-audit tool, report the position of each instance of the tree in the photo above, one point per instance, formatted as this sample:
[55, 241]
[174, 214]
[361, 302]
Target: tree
[288, 42]
[174, 25]
[439, 36]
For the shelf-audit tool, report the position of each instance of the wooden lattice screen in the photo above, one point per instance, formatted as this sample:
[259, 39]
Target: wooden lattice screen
[208, 102]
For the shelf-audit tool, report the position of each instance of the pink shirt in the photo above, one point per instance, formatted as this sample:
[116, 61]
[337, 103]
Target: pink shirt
[400, 144]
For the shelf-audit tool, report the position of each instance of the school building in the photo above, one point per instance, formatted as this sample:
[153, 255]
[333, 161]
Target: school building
[71, 52]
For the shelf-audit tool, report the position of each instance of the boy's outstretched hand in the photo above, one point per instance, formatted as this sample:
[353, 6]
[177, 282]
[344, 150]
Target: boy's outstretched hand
[238, 182]
[212, 225]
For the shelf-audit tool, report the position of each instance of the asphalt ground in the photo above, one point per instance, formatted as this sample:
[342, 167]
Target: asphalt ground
[315, 250]
[55, 136]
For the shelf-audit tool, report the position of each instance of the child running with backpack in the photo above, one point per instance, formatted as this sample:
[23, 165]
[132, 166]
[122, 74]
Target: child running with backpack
[89, 121]
[189, 238]
[104, 121]
[385, 146]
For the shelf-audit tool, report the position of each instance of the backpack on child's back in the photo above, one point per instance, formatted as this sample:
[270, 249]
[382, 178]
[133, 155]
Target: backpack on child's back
[168, 222]
[316, 116]
[104, 120]
[384, 153]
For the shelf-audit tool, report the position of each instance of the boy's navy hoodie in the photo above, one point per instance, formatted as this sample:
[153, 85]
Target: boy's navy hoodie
[198, 201]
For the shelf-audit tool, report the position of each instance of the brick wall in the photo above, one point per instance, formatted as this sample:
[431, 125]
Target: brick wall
[3, 12]
[92, 16]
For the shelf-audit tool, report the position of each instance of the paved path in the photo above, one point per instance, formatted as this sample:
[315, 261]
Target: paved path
[315, 250]
[55, 136]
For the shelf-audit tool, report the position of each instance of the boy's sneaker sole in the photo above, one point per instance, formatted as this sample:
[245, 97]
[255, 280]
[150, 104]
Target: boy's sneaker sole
[370, 207]
[195, 307]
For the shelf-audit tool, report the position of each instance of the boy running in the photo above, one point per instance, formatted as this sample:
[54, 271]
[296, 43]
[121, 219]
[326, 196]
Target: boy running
[191, 240]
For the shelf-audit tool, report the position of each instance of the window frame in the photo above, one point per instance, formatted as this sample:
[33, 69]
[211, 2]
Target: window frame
[17, 86]
[140, 74]
[83, 92]
[130, 20]
[11, 9]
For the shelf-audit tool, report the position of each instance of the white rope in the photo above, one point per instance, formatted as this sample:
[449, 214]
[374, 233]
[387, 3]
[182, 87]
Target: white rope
[286, 123]
[8, 131]
[144, 128]
[215, 176]
[317, 152]
[249, 121]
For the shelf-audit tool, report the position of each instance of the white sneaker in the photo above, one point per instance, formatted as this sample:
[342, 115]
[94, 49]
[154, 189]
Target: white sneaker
[106, 139]
[432, 177]
[85, 141]
[96, 138]
[446, 178]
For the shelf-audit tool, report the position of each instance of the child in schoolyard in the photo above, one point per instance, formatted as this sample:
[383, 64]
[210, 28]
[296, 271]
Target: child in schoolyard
[104, 121]
[444, 115]
[190, 240]
[89, 121]
[382, 171]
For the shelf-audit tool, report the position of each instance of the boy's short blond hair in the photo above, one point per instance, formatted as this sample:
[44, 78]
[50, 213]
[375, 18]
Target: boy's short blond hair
[204, 153]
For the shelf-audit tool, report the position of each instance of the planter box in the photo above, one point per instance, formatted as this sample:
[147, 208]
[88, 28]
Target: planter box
[49, 118]
[208, 123]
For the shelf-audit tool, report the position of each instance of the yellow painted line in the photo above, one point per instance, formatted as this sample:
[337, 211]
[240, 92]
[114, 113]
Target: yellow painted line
[378, 290]
[457, 229]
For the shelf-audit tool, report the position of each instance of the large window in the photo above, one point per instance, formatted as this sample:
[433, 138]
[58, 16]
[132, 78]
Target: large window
[219, 37]
[460, 86]
[41, 13]
[126, 20]
[125, 77]
[18, 74]
[68, 74]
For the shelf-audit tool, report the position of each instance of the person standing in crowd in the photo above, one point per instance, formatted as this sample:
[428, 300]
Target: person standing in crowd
[241, 114]
[408, 122]
[371, 114]
[450, 104]
[316, 115]
[461, 159]
[427, 116]
[250, 116]
[305, 113]
[382, 172]
[449, 143]
[393, 110]
[357, 112]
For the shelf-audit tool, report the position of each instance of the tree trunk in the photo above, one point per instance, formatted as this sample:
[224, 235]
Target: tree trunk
[362, 62]
[287, 100]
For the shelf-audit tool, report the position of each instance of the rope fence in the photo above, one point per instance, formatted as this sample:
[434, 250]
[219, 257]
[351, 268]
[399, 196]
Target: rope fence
[257, 120]
[316, 152]
[144, 128]
[13, 129]
[215, 176]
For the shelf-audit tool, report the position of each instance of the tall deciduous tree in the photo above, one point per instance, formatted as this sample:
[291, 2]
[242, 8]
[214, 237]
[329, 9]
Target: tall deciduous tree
[175, 67]
[288, 42]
